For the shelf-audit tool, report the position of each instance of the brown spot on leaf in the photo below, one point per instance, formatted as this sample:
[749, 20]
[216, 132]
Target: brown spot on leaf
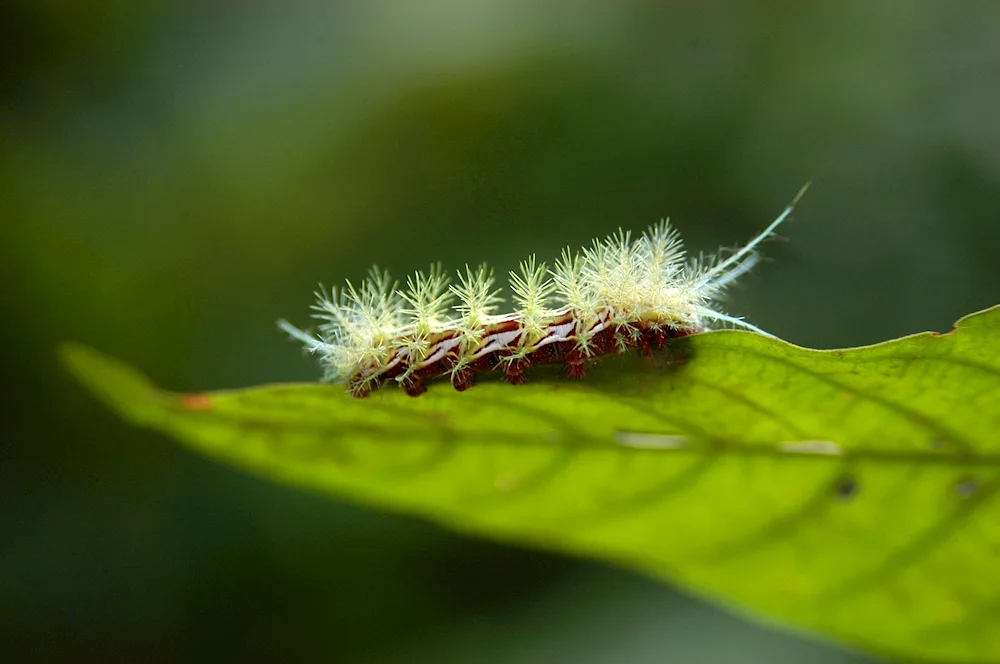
[196, 401]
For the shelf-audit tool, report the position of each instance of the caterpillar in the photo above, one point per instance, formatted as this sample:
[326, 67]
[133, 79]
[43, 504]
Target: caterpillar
[617, 294]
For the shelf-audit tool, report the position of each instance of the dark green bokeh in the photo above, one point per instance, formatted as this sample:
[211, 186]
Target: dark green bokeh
[171, 182]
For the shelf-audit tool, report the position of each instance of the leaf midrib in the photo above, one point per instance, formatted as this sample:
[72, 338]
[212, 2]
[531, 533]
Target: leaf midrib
[490, 437]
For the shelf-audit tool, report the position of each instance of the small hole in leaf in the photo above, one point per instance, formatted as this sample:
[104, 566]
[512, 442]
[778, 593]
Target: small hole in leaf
[967, 488]
[846, 488]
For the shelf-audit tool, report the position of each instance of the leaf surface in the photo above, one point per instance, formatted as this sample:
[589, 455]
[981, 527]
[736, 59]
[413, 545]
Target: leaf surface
[850, 493]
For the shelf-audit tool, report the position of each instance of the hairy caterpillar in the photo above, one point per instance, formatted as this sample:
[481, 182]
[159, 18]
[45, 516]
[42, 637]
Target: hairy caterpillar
[617, 294]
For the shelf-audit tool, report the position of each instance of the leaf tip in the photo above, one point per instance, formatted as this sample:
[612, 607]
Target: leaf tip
[115, 383]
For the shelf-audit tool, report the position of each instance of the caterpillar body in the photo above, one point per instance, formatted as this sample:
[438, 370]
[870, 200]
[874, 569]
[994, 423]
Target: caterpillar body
[619, 293]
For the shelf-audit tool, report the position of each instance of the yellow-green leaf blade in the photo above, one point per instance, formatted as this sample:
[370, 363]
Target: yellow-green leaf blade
[852, 493]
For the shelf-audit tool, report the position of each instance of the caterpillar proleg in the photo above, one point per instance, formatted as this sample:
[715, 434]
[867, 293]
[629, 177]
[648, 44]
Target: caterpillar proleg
[619, 293]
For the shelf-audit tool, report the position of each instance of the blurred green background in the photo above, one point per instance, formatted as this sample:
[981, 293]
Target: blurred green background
[172, 180]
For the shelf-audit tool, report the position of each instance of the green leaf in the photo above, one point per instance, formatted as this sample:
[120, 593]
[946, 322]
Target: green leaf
[851, 493]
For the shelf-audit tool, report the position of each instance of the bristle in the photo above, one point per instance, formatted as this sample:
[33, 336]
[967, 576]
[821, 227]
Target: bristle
[429, 298]
[618, 293]
[477, 300]
[663, 250]
[532, 289]
[571, 284]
